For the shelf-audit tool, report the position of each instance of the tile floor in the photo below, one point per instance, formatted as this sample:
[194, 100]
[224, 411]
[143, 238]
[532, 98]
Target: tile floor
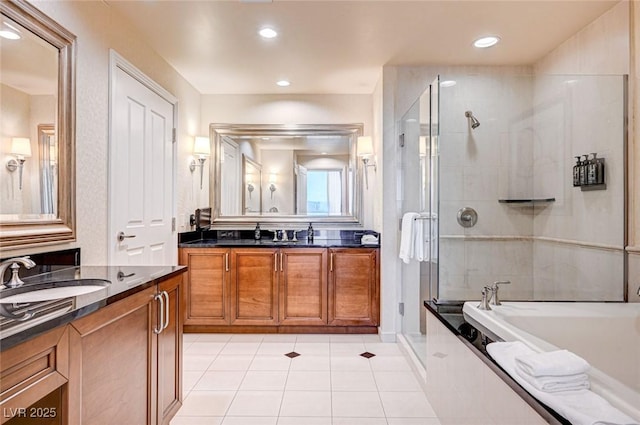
[248, 380]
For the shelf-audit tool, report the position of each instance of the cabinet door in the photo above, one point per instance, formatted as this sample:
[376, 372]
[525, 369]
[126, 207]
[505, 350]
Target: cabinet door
[207, 285]
[170, 352]
[303, 286]
[113, 351]
[354, 298]
[254, 289]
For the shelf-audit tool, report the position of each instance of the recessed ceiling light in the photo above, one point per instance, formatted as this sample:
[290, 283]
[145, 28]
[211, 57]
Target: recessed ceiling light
[268, 33]
[485, 42]
[283, 83]
[447, 83]
[9, 35]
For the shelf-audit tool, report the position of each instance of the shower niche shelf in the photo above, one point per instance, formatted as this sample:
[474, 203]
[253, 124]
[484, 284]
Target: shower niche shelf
[523, 202]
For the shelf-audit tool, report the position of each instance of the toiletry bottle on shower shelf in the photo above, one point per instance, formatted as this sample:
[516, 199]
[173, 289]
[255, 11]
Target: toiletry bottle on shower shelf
[583, 170]
[257, 233]
[600, 171]
[591, 169]
[576, 172]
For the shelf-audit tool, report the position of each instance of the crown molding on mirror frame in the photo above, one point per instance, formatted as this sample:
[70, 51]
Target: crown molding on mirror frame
[41, 229]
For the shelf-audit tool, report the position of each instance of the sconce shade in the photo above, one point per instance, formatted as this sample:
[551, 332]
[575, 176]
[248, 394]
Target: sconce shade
[21, 146]
[201, 146]
[364, 146]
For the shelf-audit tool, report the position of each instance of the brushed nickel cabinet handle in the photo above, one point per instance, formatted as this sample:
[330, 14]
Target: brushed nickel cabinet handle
[160, 298]
[275, 262]
[331, 262]
[281, 261]
[226, 261]
[167, 312]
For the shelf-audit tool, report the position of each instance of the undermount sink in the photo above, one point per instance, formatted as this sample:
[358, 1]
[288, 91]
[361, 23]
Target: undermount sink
[51, 290]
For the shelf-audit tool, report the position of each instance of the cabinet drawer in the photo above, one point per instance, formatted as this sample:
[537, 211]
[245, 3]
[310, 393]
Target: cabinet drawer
[28, 372]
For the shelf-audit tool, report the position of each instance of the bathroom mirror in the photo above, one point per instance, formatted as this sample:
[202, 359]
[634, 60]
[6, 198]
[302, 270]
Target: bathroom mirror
[37, 87]
[288, 172]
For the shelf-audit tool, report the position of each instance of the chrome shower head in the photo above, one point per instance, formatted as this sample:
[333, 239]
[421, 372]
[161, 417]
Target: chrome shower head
[474, 122]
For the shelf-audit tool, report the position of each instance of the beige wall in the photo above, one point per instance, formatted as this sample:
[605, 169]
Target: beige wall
[98, 28]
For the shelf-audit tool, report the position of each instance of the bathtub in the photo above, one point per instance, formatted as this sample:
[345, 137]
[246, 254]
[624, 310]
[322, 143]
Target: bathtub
[607, 335]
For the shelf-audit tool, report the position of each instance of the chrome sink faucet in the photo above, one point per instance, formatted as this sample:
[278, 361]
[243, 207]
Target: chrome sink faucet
[14, 264]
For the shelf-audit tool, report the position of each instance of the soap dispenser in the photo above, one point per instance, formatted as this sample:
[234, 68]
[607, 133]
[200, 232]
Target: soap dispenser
[592, 169]
[576, 172]
[310, 232]
[599, 170]
[257, 233]
[583, 170]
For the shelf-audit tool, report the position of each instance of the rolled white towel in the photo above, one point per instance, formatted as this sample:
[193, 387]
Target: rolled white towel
[554, 384]
[552, 363]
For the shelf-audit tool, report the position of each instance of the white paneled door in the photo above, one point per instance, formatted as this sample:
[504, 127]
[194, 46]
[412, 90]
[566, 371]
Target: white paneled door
[141, 167]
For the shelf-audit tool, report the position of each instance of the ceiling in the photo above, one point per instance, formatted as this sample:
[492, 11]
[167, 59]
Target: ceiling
[341, 46]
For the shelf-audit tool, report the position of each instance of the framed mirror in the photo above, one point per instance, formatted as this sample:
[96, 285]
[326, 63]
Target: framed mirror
[37, 130]
[294, 173]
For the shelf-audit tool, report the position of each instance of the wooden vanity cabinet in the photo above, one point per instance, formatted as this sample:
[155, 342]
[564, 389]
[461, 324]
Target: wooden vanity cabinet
[254, 286]
[354, 293]
[268, 289]
[285, 286]
[127, 359]
[207, 288]
[303, 286]
[169, 376]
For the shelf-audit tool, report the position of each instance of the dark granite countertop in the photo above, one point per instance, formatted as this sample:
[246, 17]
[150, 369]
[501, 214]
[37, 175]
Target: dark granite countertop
[316, 243]
[123, 281]
[244, 238]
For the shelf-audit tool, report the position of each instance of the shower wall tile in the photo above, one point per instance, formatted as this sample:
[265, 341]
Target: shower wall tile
[602, 47]
[451, 183]
[467, 266]
[572, 272]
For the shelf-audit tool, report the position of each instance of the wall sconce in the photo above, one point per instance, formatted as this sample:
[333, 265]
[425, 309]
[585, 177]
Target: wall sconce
[201, 149]
[21, 148]
[364, 150]
[272, 183]
[250, 186]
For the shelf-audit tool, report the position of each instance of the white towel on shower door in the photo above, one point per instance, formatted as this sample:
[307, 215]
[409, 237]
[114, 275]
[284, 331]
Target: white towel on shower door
[407, 237]
[421, 251]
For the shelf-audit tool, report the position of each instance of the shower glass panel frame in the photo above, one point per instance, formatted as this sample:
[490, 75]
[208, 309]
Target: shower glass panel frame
[418, 170]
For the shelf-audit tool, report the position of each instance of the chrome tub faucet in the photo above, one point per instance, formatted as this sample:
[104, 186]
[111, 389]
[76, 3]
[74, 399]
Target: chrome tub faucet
[494, 291]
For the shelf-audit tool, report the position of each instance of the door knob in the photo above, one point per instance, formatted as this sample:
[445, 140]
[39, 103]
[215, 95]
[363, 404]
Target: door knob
[122, 236]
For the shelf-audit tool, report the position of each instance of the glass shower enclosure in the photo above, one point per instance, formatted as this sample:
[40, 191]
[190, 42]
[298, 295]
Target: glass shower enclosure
[488, 162]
